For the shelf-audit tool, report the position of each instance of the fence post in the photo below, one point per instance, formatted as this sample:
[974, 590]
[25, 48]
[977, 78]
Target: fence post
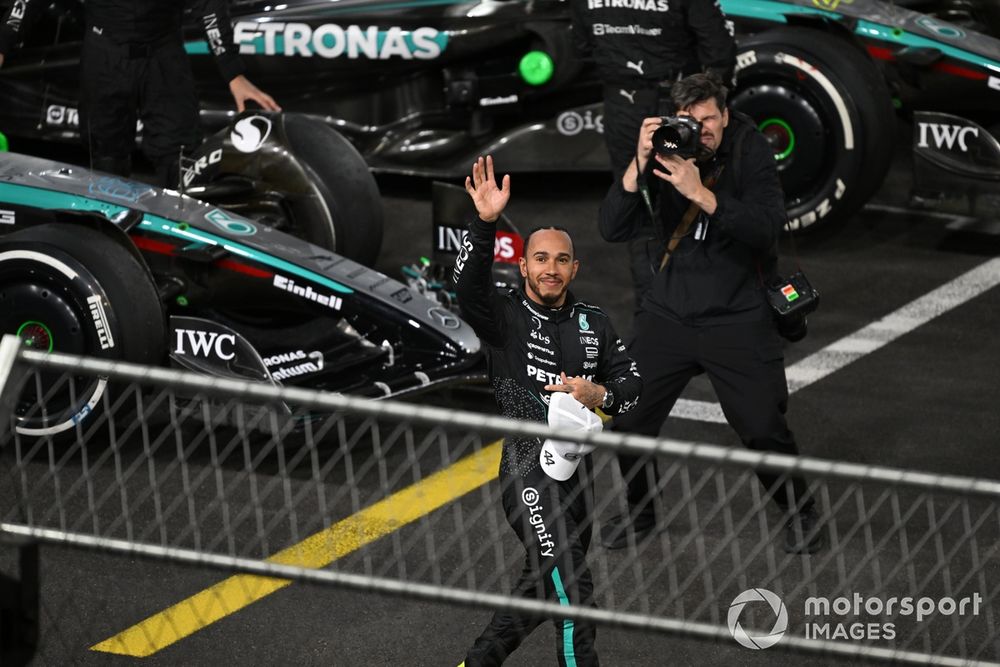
[19, 603]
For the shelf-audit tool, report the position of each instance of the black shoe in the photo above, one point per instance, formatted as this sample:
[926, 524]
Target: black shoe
[803, 535]
[615, 533]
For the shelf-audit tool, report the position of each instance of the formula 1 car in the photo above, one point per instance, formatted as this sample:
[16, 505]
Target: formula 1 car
[423, 87]
[97, 265]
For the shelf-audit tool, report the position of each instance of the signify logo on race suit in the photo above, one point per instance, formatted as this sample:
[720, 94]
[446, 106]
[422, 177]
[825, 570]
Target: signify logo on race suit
[530, 498]
[334, 41]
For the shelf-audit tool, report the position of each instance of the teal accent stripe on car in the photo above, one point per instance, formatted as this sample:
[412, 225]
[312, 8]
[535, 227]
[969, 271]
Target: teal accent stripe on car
[569, 653]
[26, 195]
[769, 10]
[197, 47]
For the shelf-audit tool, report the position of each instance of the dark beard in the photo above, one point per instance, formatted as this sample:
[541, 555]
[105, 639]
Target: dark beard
[548, 300]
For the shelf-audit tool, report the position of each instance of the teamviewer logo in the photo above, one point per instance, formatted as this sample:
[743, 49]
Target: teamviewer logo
[763, 640]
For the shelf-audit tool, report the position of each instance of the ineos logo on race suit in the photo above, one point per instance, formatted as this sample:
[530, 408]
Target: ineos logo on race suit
[333, 41]
[215, 44]
[205, 343]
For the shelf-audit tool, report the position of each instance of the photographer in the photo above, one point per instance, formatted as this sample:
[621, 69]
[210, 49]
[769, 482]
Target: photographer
[640, 50]
[718, 219]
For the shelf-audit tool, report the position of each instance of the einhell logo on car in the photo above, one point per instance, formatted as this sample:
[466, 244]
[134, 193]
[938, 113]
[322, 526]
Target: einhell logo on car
[288, 285]
[334, 41]
[945, 136]
[205, 343]
[100, 322]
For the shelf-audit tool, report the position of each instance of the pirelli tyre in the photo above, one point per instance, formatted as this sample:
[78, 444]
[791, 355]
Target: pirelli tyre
[824, 106]
[69, 288]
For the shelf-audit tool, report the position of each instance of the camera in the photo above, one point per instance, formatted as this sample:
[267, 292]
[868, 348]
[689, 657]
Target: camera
[678, 135]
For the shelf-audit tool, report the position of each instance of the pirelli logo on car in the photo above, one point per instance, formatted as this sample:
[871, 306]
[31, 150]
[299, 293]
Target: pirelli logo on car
[100, 322]
[334, 41]
[307, 292]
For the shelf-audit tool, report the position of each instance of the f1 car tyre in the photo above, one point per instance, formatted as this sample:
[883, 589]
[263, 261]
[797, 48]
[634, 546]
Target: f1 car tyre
[350, 220]
[825, 109]
[69, 288]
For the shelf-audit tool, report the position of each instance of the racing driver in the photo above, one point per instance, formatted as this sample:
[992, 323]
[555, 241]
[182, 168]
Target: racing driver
[539, 340]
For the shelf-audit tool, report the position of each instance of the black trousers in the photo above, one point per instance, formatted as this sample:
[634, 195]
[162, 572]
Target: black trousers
[746, 367]
[553, 521]
[123, 84]
[625, 107]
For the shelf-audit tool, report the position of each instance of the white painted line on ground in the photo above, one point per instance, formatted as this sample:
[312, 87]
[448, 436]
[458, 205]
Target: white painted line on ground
[866, 340]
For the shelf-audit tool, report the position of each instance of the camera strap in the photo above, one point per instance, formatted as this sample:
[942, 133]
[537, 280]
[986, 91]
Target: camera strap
[686, 220]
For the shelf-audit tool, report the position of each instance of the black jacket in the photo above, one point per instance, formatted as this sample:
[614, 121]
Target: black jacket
[717, 280]
[528, 345]
[138, 22]
[637, 42]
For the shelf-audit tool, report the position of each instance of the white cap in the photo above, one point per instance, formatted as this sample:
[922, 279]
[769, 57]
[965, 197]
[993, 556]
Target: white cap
[559, 458]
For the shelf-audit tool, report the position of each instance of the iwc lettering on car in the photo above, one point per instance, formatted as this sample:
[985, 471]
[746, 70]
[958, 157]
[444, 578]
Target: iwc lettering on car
[215, 44]
[100, 322]
[7, 217]
[307, 292]
[205, 344]
[642, 5]
[820, 211]
[334, 41]
[530, 498]
[313, 365]
[945, 136]
[227, 223]
[200, 165]
[572, 123]
[250, 133]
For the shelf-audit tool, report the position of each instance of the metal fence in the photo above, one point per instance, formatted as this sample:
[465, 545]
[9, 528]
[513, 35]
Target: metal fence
[274, 486]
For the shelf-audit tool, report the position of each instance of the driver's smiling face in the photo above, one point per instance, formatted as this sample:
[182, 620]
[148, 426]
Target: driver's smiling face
[548, 267]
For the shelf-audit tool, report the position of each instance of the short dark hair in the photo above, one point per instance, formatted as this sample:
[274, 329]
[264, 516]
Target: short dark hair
[557, 228]
[697, 88]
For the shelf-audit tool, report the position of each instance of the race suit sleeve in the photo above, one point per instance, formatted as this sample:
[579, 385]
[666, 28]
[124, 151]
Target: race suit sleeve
[482, 306]
[583, 39]
[757, 216]
[214, 18]
[621, 214]
[716, 45]
[17, 21]
[618, 374]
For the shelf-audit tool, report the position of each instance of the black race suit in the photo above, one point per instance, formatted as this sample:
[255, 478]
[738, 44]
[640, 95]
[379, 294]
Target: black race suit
[528, 345]
[706, 311]
[133, 67]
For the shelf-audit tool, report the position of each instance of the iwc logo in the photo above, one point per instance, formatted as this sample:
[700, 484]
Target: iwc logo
[757, 641]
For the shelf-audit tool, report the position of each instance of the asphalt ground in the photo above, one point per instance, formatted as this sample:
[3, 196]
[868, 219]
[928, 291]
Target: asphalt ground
[927, 400]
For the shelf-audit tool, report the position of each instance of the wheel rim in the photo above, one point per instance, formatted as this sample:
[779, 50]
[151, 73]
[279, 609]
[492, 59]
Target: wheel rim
[36, 335]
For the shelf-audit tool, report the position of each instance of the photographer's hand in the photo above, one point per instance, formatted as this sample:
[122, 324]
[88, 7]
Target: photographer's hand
[580, 388]
[630, 179]
[489, 199]
[683, 175]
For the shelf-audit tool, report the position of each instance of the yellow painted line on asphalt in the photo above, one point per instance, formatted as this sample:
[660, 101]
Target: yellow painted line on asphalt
[376, 521]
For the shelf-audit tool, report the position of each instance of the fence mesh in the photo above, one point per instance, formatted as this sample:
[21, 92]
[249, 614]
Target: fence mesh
[275, 485]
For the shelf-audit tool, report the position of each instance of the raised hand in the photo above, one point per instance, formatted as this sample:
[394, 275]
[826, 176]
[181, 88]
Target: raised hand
[490, 200]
